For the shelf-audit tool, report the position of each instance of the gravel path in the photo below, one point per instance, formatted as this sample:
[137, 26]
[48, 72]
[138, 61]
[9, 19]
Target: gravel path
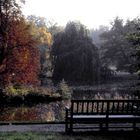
[50, 128]
[33, 128]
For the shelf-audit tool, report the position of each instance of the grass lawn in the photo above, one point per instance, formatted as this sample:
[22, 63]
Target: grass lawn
[59, 136]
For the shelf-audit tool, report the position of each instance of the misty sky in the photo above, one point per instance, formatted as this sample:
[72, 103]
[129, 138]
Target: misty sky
[91, 13]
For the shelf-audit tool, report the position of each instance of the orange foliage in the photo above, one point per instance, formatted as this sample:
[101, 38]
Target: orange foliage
[23, 60]
[19, 41]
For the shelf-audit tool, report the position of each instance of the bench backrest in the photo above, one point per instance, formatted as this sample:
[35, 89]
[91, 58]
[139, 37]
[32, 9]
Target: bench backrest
[102, 107]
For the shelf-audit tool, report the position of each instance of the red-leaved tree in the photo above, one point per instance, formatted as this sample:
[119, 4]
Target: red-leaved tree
[19, 55]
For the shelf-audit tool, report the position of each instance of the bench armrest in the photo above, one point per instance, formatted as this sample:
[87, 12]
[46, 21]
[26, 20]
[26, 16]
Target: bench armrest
[67, 108]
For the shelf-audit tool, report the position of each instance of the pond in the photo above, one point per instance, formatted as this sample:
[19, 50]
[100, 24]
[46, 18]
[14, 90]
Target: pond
[55, 111]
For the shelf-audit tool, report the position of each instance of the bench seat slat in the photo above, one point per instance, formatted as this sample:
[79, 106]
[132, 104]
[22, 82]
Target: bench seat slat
[104, 116]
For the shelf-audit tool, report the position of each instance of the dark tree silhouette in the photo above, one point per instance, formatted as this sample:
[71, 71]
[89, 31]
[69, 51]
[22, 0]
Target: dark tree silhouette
[75, 58]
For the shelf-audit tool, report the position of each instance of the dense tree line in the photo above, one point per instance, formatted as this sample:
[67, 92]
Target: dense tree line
[115, 46]
[28, 49]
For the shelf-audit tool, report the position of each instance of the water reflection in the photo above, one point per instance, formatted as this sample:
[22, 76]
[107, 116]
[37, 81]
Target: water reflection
[55, 111]
[41, 112]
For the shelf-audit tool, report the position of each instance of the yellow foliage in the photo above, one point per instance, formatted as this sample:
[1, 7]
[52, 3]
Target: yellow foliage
[41, 34]
[49, 39]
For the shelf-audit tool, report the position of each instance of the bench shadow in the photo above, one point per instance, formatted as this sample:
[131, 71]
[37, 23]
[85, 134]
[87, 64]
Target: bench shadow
[135, 135]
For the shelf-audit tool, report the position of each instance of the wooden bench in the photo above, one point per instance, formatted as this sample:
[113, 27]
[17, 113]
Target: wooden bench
[103, 113]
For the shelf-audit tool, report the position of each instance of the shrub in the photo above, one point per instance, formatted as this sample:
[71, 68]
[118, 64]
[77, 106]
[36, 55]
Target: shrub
[65, 90]
[30, 90]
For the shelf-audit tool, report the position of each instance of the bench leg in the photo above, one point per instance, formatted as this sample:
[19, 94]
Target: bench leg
[71, 128]
[71, 125]
[134, 126]
[101, 126]
[66, 127]
[106, 125]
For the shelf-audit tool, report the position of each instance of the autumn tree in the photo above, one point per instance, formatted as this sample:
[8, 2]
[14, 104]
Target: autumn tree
[39, 30]
[24, 61]
[9, 11]
[42, 34]
[19, 61]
